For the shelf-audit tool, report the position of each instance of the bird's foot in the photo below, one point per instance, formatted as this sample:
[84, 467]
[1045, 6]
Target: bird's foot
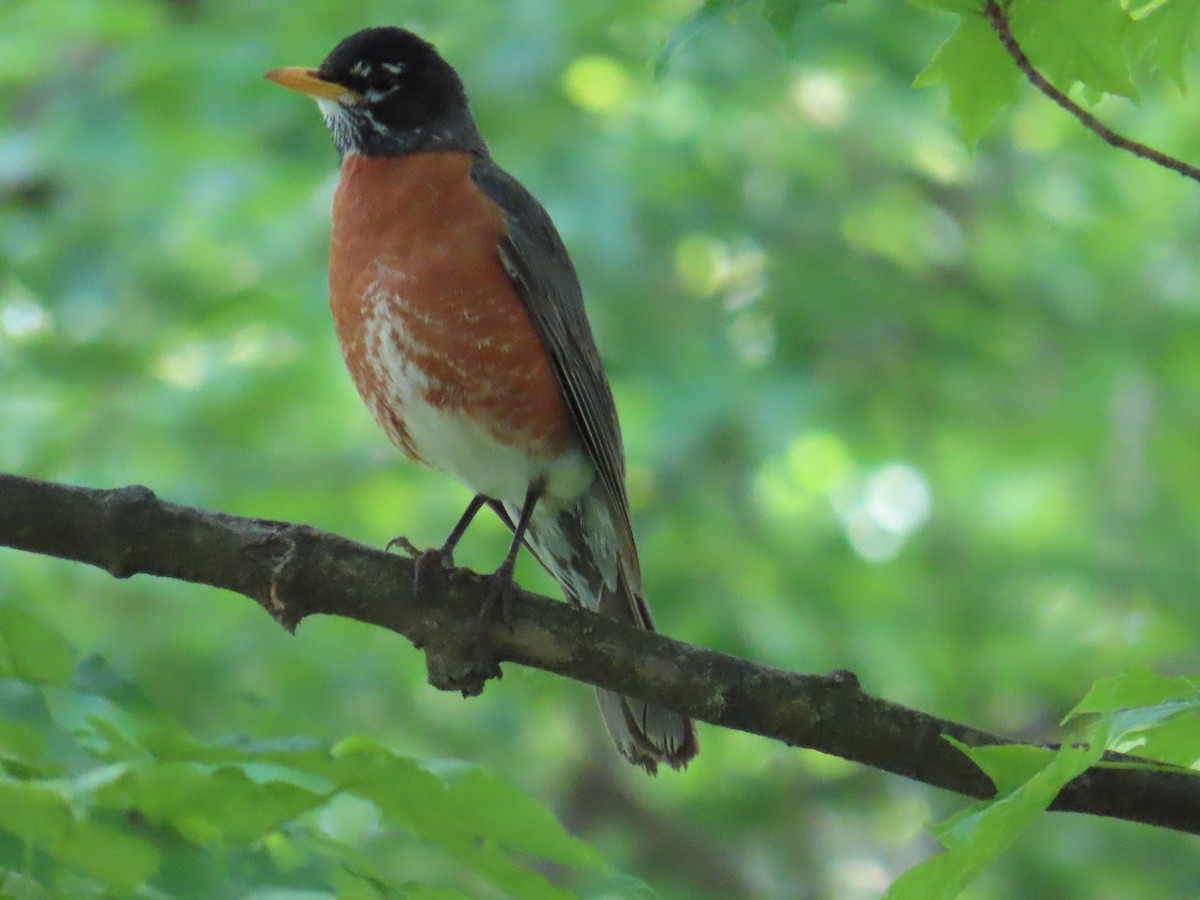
[495, 603]
[424, 560]
[443, 555]
[428, 560]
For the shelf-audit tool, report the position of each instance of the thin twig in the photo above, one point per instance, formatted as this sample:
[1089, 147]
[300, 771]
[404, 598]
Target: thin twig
[998, 19]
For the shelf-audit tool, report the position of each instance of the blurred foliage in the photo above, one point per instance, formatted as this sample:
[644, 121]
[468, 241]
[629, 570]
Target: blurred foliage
[888, 407]
[1102, 46]
[106, 792]
[1028, 778]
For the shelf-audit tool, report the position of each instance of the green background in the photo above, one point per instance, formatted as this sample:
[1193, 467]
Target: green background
[888, 406]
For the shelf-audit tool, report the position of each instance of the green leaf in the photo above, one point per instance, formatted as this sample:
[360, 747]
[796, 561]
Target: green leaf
[977, 72]
[16, 885]
[1138, 702]
[421, 892]
[1132, 688]
[495, 810]
[515, 879]
[1165, 31]
[1072, 41]
[95, 675]
[1175, 741]
[120, 861]
[783, 16]
[351, 885]
[471, 815]
[204, 804]
[343, 857]
[21, 743]
[1008, 765]
[405, 793]
[962, 7]
[1119, 726]
[692, 27]
[114, 719]
[33, 812]
[104, 729]
[32, 649]
[983, 832]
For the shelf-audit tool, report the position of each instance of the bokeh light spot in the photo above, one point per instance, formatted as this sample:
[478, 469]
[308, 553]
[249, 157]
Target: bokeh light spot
[22, 317]
[821, 98]
[597, 83]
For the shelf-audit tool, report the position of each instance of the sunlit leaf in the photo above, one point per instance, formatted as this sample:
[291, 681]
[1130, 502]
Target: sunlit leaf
[1174, 740]
[1135, 687]
[1008, 765]
[1166, 31]
[1073, 41]
[979, 76]
[975, 838]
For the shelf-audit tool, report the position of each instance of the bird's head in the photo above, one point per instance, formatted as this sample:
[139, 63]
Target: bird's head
[385, 91]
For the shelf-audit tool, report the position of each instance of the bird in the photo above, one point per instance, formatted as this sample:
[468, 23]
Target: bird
[461, 320]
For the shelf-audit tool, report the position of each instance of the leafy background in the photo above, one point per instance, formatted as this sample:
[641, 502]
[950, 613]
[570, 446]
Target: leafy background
[889, 406]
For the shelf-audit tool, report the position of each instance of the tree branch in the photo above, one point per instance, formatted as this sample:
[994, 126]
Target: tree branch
[998, 19]
[294, 571]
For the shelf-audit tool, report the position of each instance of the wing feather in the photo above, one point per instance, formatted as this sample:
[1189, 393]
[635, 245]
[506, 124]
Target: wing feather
[541, 269]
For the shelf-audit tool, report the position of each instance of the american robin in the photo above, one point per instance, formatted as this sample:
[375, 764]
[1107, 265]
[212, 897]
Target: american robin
[461, 321]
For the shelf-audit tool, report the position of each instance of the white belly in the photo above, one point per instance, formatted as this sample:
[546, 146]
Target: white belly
[448, 439]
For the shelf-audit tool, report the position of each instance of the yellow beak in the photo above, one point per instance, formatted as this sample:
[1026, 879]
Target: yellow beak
[306, 81]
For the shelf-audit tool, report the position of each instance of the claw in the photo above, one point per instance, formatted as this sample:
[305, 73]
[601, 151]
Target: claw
[405, 545]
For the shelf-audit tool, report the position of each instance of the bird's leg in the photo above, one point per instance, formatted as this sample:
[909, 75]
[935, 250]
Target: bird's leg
[445, 553]
[502, 577]
[455, 535]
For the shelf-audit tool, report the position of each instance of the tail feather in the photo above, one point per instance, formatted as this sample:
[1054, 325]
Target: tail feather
[645, 733]
[578, 546]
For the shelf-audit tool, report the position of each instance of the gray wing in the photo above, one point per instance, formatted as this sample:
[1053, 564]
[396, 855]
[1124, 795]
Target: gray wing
[535, 258]
[545, 278]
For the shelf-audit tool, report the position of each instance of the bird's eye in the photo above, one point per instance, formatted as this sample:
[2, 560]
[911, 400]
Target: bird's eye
[380, 82]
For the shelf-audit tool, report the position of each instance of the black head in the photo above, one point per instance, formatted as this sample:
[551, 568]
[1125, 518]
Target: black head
[385, 91]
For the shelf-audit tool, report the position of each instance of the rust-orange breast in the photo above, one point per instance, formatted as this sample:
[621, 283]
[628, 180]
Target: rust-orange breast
[425, 311]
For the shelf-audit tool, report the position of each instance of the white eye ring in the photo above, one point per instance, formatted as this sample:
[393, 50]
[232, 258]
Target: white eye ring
[374, 95]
